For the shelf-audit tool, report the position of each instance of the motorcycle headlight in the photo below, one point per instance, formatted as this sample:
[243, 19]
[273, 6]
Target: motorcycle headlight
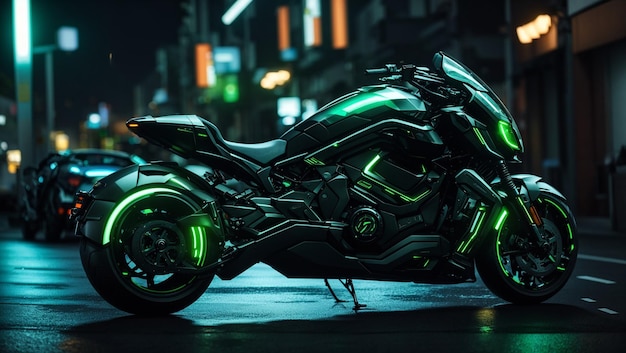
[508, 135]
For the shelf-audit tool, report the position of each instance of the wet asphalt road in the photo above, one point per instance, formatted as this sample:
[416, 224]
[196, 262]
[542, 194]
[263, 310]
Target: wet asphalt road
[47, 305]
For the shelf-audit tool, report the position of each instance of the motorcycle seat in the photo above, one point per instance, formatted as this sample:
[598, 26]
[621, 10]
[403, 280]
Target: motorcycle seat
[263, 152]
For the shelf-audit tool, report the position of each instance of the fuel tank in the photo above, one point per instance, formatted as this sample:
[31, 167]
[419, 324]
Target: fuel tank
[353, 112]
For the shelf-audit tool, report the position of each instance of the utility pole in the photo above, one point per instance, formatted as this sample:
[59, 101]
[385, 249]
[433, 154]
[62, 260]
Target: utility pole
[23, 79]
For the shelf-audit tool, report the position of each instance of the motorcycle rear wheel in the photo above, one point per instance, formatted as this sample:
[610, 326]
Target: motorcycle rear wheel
[512, 266]
[136, 270]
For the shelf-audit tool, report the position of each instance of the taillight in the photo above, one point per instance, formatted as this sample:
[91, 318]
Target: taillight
[81, 201]
[74, 181]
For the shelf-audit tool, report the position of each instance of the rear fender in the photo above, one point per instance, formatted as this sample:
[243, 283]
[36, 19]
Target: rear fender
[112, 191]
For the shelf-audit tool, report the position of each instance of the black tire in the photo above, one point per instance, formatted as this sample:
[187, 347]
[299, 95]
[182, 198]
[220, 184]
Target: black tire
[512, 267]
[134, 270]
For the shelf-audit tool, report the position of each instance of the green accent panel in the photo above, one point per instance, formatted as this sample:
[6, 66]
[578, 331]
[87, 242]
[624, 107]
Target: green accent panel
[371, 164]
[475, 228]
[356, 105]
[480, 136]
[198, 235]
[523, 206]
[364, 184]
[369, 174]
[503, 214]
[507, 134]
[314, 161]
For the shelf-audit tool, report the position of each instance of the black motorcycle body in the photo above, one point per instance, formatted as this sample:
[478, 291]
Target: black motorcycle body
[402, 181]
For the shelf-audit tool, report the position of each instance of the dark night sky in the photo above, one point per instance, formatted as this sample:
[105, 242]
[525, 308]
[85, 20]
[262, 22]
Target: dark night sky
[129, 29]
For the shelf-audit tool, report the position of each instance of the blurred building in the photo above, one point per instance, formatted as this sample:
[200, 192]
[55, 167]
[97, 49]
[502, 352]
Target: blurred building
[570, 84]
[563, 86]
[8, 141]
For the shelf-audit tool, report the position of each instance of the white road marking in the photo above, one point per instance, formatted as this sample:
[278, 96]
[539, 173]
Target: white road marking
[596, 279]
[602, 259]
[608, 311]
[588, 300]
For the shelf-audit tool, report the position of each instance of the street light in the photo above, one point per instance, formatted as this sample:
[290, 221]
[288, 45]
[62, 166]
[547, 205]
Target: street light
[67, 40]
[234, 11]
[23, 77]
[534, 29]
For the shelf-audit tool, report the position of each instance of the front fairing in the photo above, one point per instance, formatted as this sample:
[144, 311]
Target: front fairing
[485, 101]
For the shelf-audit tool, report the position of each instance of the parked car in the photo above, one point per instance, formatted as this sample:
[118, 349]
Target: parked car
[49, 189]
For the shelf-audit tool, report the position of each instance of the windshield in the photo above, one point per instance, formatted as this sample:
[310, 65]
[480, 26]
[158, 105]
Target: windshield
[482, 95]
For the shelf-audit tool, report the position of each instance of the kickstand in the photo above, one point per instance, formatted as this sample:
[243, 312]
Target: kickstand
[350, 288]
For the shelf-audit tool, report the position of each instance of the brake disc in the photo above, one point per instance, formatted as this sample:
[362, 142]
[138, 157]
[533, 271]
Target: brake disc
[158, 247]
[541, 262]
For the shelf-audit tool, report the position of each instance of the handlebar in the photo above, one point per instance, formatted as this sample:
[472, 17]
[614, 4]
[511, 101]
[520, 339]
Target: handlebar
[376, 71]
[389, 68]
[425, 80]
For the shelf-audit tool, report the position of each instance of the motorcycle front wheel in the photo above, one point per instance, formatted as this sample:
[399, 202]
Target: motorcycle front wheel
[136, 270]
[515, 268]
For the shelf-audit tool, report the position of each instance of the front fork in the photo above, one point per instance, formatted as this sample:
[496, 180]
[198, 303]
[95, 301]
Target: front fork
[494, 207]
[523, 207]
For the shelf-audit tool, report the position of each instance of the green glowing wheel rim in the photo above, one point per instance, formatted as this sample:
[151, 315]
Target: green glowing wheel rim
[516, 269]
[145, 242]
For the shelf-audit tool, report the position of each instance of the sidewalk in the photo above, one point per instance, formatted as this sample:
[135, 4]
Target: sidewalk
[597, 226]
[4, 221]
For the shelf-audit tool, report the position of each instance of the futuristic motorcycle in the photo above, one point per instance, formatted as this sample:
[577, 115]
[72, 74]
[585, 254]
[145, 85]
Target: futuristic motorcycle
[407, 180]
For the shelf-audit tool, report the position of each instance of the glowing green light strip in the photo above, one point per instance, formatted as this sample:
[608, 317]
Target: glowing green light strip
[557, 207]
[106, 236]
[507, 134]
[565, 217]
[476, 226]
[415, 198]
[364, 184]
[501, 219]
[371, 164]
[198, 234]
[194, 236]
[480, 136]
[369, 174]
[523, 206]
[313, 161]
